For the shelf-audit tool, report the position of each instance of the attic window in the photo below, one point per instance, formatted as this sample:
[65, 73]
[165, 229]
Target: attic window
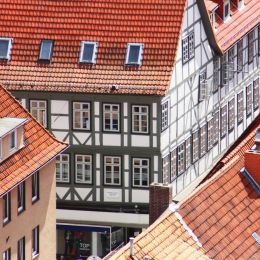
[226, 10]
[46, 50]
[240, 3]
[134, 53]
[88, 52]
[212, 17]
[5, 48]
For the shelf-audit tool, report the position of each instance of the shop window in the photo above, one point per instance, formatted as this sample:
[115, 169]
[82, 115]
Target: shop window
[140, 172]
[35, 187]
[6, 208]
[112, 170]
[134, 53]
[21, 197]
[231, 114]
[249, 100]
[240, 107]
[21, 249]
[81, 115]
[173, 164]
[35, 242]
[111, 117]
[62, 168]
[5, 48]
[256, 94]
[38, 109]
[140, 119]
[83, 168]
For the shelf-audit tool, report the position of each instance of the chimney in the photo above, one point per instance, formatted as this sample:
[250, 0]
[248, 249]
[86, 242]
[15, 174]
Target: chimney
[252, 160]
[160, 199]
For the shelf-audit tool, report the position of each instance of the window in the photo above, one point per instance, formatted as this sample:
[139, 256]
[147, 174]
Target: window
[140, 119]
[88, 52]
[240, 108]
[195, 146]
[225, 68]
[223, 121]
[249, 100]
[21, 249]
[46, 50]
[62, 168]
[35, 242]
[35, 187]
[173, 164]
[134, 53]
[216, 127]
[188, 48]
[84, 169]
[231, 114]
[231, 67]
[166, 168]
[210, 133]
[81, 115]
[6, 208]
[216, 74]
[203, 85]
[212, 17]
[140, 172]
[112, 169]
[165, 115]
[255, 95]
[203, 140]
[251, 46]
[0, 148]
[240, 55]
[5, 48]
[188, 153]
[259, 40]
[111, 117]
[226, 10]
[240, 3]
[21, 197]
[7, 254]
[39, 110]
[181, 158]
[12, 140]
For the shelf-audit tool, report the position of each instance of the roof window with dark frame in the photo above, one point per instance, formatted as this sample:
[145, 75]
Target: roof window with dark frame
[88, 52]
[5, 48]
[134, 54]
[46, 50]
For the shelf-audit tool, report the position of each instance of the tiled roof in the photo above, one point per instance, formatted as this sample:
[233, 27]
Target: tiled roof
[165, 239]
[112, 23]
[239, 24]
[222, 213]
[40, 146]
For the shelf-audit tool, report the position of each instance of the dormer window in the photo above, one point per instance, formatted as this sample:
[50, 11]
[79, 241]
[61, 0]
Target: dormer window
[240, 3]
[212, 17]
[88, 52]
[5, 48]
[226, 10]
[46, 50]
[134, 53]
[12, 140]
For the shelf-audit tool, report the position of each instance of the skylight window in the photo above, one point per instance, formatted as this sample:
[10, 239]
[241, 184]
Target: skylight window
[46, 50]
[88, 52]
[5, 48]
[134, 53]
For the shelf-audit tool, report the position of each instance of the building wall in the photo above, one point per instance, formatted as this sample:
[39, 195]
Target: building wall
[41, 213]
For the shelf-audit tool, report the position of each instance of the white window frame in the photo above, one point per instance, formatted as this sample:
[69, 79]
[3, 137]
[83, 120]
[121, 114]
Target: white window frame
[173, 164]
[49, 50]
[8, 54]
[240, 59]
[256, 94]
[181, 158]
[61, 163]
[203, 85]
[210, 133]
[7, 254]
[35, 187]
[111, 113]
[195, 146]
[223, 121]
[7, 207]
[225, 17]
[13, 140]
[140, 121]
[166, 168]
[231, 64]
[35, 242]
[240, 4]
[94, 55]
[38, 110]
[112, 164]
[250, 46]
[165, 115]
[21, 249]
[140, 57]
[141, 169]
[21, 197]
[216, 127]
[249, 100]
[203, 140]
[240, 107]
[86, 161]
[231, 114]
[188, 48]
[81, 111]
[187, 153]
